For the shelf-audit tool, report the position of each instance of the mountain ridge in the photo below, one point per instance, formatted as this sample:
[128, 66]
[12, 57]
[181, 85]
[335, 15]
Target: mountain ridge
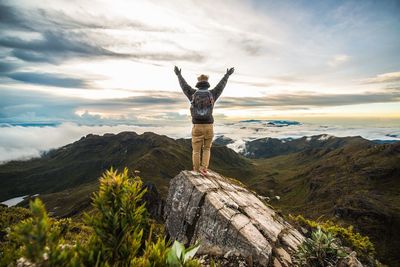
[91, 155]
[351, 180]
[270, 147]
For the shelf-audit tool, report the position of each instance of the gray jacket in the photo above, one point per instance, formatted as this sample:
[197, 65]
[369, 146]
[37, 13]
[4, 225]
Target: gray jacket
[216, 92]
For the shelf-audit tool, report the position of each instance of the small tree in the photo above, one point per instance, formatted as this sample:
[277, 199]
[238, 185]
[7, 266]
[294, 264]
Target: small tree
[120, 218]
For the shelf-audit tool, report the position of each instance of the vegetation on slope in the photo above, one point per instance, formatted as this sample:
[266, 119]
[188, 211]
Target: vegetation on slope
[320, 250]
[118, 233]
[352, 184]
[351, 181]
[66, 177]
[346, 236]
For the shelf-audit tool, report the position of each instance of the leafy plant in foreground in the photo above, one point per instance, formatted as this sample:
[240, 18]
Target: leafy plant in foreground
[178, 256]
[357, 242]
[320, 250]
[120, 219]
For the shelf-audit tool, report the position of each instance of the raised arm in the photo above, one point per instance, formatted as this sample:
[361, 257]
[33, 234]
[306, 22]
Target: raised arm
[187, 90]
[217, 91]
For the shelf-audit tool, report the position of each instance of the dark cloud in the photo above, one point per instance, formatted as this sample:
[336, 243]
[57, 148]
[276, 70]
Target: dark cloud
[18, 105]
[89, 21]
[48, 79]
[16, 102]
[22, 105]
[32, 56]
[6, 67]
[156, 100]
[7, 14]
[64, 37]
[18, 17]
[303, 100]
[11, 18]
[152, 100]
[55, 42]
[57, 46]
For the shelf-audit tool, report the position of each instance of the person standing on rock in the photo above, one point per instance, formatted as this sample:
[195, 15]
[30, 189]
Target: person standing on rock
[202, 103]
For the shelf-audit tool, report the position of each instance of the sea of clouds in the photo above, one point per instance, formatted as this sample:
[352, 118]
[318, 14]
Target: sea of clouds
[24, 142]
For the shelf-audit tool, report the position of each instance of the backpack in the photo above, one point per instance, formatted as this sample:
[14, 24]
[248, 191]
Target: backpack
[202, 105]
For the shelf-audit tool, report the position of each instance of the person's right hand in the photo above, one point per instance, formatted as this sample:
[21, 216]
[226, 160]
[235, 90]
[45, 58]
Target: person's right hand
[230, 71]
[177, 70]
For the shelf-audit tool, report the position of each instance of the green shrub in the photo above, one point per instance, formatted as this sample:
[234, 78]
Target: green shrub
[12, 215]
[117, 233]
[41, 239]
[320, 250]
[357, 242]
[8, 217]
[120, 219]
[155, 255]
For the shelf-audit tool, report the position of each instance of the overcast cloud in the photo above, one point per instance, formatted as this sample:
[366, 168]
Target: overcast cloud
[111, 63]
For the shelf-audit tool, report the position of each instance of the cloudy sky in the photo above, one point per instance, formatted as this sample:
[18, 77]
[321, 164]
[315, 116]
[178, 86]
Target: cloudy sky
[111, 62]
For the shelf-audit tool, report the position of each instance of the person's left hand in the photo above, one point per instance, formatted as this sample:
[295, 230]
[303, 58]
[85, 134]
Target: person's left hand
[230, 71]
[177, 70]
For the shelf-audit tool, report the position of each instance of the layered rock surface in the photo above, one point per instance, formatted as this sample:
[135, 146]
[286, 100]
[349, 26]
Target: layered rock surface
[227, 219]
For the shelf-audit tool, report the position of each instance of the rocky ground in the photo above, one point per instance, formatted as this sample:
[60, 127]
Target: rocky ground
[228, 221]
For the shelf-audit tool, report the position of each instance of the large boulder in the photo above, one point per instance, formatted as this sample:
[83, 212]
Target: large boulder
[227, 219]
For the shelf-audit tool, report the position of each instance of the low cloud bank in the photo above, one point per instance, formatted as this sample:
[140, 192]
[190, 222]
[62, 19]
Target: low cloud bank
[21, 143]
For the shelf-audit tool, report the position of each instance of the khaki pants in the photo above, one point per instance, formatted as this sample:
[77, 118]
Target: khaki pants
[202, 136]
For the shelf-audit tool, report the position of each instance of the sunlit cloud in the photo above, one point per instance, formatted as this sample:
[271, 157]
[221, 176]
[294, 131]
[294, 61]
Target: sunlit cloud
[311, 100]
[103, 62]
[384, 78]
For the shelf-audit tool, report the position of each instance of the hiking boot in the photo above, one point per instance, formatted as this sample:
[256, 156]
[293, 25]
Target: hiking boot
[204, 172]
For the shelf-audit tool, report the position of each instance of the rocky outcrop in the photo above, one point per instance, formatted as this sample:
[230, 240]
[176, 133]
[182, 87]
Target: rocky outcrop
[227, 219]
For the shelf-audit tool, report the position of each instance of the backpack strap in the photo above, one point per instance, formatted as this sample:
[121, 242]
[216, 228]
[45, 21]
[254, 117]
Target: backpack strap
[211, 97]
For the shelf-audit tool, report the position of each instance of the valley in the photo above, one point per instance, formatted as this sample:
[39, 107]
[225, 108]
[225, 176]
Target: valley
[350, 180]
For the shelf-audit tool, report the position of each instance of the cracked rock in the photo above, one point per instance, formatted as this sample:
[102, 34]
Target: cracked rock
[227, 219]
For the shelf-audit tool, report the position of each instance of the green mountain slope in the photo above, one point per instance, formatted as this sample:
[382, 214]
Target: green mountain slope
[356, 182]
[350, 180]
[271, 147]
[158, 158]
